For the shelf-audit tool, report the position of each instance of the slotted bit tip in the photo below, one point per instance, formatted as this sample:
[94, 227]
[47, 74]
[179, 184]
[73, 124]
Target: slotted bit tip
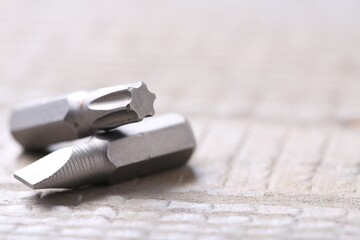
[37, 173]
[62, 168]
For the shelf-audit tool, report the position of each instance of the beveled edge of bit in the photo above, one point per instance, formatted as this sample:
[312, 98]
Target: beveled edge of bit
[66, 168]
[42, 169]
[115, 106]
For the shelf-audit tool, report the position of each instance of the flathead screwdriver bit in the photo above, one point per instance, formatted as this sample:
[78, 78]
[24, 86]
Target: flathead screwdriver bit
[130, 151]
[39, 124]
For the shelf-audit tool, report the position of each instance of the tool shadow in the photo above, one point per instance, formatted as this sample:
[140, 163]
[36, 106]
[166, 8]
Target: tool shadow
[152, 185]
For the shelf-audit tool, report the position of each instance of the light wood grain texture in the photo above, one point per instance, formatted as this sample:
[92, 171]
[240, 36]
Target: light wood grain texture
[272, 90]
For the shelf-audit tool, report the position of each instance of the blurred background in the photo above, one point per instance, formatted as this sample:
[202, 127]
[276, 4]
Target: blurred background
[293, 60]
[272, 89]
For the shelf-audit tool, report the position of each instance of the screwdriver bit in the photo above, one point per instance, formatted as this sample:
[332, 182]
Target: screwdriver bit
[130, 151]
[38, 124]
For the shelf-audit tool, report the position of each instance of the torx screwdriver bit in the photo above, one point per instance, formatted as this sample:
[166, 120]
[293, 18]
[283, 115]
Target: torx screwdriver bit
[130, 151]
[38, 124]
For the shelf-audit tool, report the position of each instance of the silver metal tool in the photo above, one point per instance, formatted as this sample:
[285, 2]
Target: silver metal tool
[80, 114]
[130, 151]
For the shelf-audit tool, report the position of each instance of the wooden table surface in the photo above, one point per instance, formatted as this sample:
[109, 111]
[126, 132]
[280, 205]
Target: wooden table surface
[272, 90]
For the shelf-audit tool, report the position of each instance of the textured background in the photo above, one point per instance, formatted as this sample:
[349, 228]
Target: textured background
[272, 90]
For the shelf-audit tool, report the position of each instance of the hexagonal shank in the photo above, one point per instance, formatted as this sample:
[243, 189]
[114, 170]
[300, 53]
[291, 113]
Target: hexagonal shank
[41, 123]
[150, 146]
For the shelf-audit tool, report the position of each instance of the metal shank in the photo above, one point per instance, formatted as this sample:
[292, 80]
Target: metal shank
[131, 151]
[37, 125]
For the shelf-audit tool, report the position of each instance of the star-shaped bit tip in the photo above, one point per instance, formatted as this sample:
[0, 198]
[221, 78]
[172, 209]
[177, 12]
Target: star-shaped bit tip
[115, 106]
[142, 100]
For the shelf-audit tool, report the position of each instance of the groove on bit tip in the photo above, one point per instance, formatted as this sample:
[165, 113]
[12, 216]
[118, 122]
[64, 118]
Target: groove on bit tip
[123, 104]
